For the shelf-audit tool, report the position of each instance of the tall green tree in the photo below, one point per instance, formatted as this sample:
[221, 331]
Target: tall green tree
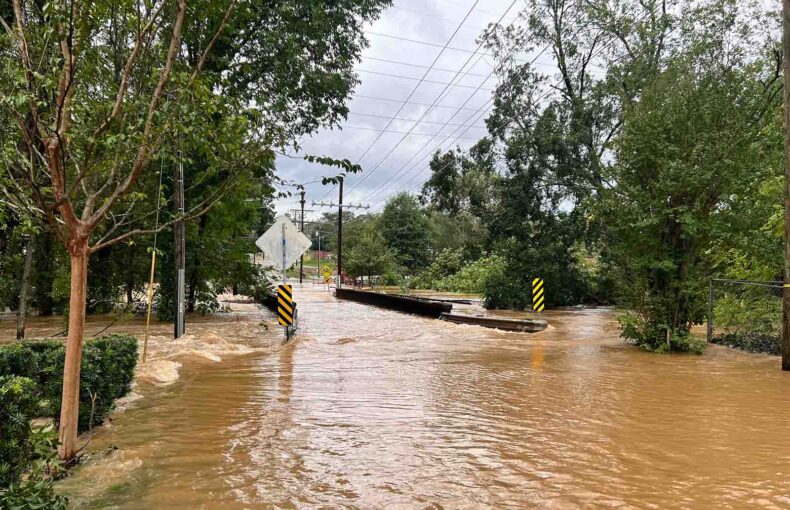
[404, 225]
[369, 256]
[97, 91]
[683, 163]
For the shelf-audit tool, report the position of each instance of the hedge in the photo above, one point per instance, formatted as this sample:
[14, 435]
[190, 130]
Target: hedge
[108, 365]
[27, 454]
[18, 404]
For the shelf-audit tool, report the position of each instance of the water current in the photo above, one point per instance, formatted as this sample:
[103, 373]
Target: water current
[370, 408]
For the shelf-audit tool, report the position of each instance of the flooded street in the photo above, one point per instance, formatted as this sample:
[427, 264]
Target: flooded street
[375, 409]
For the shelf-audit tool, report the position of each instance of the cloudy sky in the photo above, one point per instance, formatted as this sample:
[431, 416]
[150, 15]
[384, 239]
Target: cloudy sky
[406, 43]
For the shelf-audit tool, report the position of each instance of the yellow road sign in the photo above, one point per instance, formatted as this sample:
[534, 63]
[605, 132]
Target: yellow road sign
[537, 294]
[326, 271]
[285, 305]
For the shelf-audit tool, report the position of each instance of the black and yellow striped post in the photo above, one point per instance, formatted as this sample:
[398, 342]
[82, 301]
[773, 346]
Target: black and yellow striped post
[285, 305]
[537, 294]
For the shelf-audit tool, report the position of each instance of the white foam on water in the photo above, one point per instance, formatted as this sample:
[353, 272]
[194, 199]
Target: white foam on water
[159, 371]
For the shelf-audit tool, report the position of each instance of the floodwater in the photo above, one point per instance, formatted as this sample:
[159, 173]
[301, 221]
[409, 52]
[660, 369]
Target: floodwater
[375, 409]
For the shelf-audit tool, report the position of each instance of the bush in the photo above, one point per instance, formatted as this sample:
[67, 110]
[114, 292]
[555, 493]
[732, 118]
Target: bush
[33, 490]
[107, 371]
[649, 336]
[472, 278]
[28, 456]
[18, 404]
[751, 342]
[447, 263]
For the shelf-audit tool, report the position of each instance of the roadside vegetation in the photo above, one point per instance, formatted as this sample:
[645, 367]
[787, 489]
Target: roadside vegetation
[30, 388]
[651, 160]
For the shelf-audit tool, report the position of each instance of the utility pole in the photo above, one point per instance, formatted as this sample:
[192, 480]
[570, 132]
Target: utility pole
[340, 208]
[786, 93]
[298, 215]
[340, 236]
[318, 254]
[179, 240]
[301, 228]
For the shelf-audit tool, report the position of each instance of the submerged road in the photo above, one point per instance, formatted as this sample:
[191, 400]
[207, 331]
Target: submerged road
[374, 409]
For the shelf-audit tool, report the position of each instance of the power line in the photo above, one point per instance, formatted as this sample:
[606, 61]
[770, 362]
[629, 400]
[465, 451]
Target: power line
[410, 120]
[438, 98]
[436, 82]
[375, 98]
[398, 132]
[420, 66]
[425, 75]
[424, 43]
[483, 109]
[426, 15]
[542, 96]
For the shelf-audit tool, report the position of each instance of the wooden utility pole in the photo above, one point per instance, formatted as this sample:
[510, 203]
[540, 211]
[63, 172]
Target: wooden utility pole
[340, 208]
[340, 232]
[301, 228]
[786, 289]
[179, 241]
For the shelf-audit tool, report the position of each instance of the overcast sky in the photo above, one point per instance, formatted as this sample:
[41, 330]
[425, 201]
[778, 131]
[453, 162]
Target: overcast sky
[398, 161]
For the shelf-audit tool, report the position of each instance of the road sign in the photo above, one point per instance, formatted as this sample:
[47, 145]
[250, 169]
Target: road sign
[283, 244]
[285, 305]
[537, 294]
[326, 271]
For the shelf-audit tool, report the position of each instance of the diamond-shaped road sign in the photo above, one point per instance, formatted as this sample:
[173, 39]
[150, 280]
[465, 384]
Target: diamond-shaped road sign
[271, 243]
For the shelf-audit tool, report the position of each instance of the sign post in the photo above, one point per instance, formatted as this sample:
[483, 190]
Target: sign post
[538, 296]
[283, 243]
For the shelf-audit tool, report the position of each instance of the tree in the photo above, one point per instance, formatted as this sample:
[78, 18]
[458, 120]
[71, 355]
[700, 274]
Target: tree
[369, 256]
[99, 90]
[404, 225]
[684, 164]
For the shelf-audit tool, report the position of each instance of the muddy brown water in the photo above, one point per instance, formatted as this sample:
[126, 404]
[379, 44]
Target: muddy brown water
[375, 409]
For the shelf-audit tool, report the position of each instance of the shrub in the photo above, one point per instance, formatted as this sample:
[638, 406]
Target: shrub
[33, 491]
[649, 336]
[751, 342]
[18, 399]
[472, 278]
[107, 371]
[448, 262]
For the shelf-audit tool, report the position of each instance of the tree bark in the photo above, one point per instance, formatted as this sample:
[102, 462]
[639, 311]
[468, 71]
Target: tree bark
[70, 406]
[786, 289]
[23, 292]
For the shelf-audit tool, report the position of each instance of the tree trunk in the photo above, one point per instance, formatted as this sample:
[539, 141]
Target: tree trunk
[69, 411]
[43, 275]
[786, 286]
[22, 312]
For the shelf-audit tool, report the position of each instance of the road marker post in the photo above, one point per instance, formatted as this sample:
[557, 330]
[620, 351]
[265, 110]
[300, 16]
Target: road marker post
[538, 295]
[283, 243]
[285, 305]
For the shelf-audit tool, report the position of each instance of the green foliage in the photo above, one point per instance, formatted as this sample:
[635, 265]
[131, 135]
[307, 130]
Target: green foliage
[404, 225]
[108, 365]
[473, 278]
[18, 404]
[257, 287]
[447, 263]
[660, 338]
[28, 454]
[369, 256]
[680, 157]
[34, 490]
